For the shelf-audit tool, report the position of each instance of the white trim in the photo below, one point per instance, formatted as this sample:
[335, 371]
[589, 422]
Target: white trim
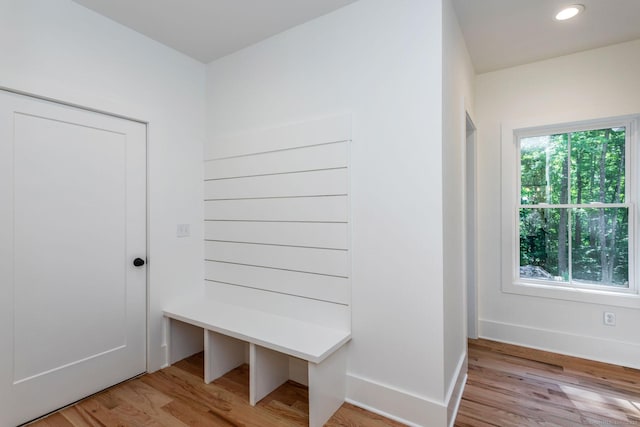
[74, 105]
[510, 162]
[594, 205]
[615, 352]
[592, 296]
[470, 244]
[399, 405]
[452, 412]
[456, 389]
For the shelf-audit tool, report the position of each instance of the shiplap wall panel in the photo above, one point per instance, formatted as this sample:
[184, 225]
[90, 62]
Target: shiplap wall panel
[332, 155]
[306, 234]
[296, 184]
[310, 260]
[304, 134]
[315, 286]
[308, 209]
[277, 219]
[331, 315]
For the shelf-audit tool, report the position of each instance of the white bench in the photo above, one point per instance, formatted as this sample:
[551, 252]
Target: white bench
[272, 339]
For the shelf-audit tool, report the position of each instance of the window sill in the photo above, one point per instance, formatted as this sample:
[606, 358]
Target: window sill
[589, 296]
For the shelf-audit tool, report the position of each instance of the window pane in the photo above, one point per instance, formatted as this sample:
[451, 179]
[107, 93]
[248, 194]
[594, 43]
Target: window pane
[598, 166]
[600, 246]
[544, 244]
[544, 169]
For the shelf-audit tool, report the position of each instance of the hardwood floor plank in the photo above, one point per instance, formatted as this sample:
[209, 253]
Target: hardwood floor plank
[140, 394]
[140, 401]
[55, 420]
[352, 416]
[107, 399]
[289, 395]
[463, 420]
[91, 409]
[193, 364]
[523, 407]
[187, 415]
[193, 395]
[531, 370]
[236, 381]
[507, 386]
[222, 403]
[479, 413]
[290, 401]
[557, 394]
[512, 385]
[134, 417]
[287, 413]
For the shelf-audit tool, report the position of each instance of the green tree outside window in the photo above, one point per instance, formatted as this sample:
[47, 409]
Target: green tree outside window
[574, 223]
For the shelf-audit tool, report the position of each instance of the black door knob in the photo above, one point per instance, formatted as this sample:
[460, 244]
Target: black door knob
[138, 262]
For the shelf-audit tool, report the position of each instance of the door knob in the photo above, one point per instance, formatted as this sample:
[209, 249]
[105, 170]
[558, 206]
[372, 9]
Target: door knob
[138, 262]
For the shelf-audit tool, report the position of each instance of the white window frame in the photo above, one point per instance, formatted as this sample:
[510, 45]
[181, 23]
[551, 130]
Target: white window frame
[510, 256]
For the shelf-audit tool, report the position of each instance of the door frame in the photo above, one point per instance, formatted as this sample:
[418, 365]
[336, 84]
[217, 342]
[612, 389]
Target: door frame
[146, 186]
[470, 213]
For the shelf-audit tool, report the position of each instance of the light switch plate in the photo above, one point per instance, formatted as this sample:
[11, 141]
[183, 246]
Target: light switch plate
[183, 230]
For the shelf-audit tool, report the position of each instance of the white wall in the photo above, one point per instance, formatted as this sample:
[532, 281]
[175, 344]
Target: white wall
[458, 81]
[593, 84]
[58, 49]
[383, 64]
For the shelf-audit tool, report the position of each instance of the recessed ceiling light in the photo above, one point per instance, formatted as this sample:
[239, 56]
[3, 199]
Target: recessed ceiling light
[569, 12]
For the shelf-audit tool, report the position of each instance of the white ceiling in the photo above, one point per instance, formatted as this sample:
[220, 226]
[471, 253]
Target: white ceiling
[505, 33]
[499, 33]
[209, 29]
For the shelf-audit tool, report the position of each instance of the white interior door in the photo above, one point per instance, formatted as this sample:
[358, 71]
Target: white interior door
[72, 220]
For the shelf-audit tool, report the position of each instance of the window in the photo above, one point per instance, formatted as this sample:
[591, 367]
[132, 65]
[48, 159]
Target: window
[574, 222]
[571, 203]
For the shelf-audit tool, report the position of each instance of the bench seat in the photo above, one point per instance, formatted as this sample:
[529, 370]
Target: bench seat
[294, 337]
[272, 339]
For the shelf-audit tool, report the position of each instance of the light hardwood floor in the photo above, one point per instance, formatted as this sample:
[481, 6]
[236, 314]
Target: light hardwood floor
[507, 386]
[177, 396]
[516, 386]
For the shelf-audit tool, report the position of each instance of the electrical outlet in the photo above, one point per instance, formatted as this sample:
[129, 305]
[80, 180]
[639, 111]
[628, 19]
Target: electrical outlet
[609, 318]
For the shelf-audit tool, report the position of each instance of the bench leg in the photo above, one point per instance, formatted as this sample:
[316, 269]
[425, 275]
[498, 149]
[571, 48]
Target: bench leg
[327, 387]
[268, 370]
[221, 354]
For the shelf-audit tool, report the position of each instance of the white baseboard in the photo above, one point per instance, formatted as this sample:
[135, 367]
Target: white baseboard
[398, 405]
[456, 388]
[587, 347]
